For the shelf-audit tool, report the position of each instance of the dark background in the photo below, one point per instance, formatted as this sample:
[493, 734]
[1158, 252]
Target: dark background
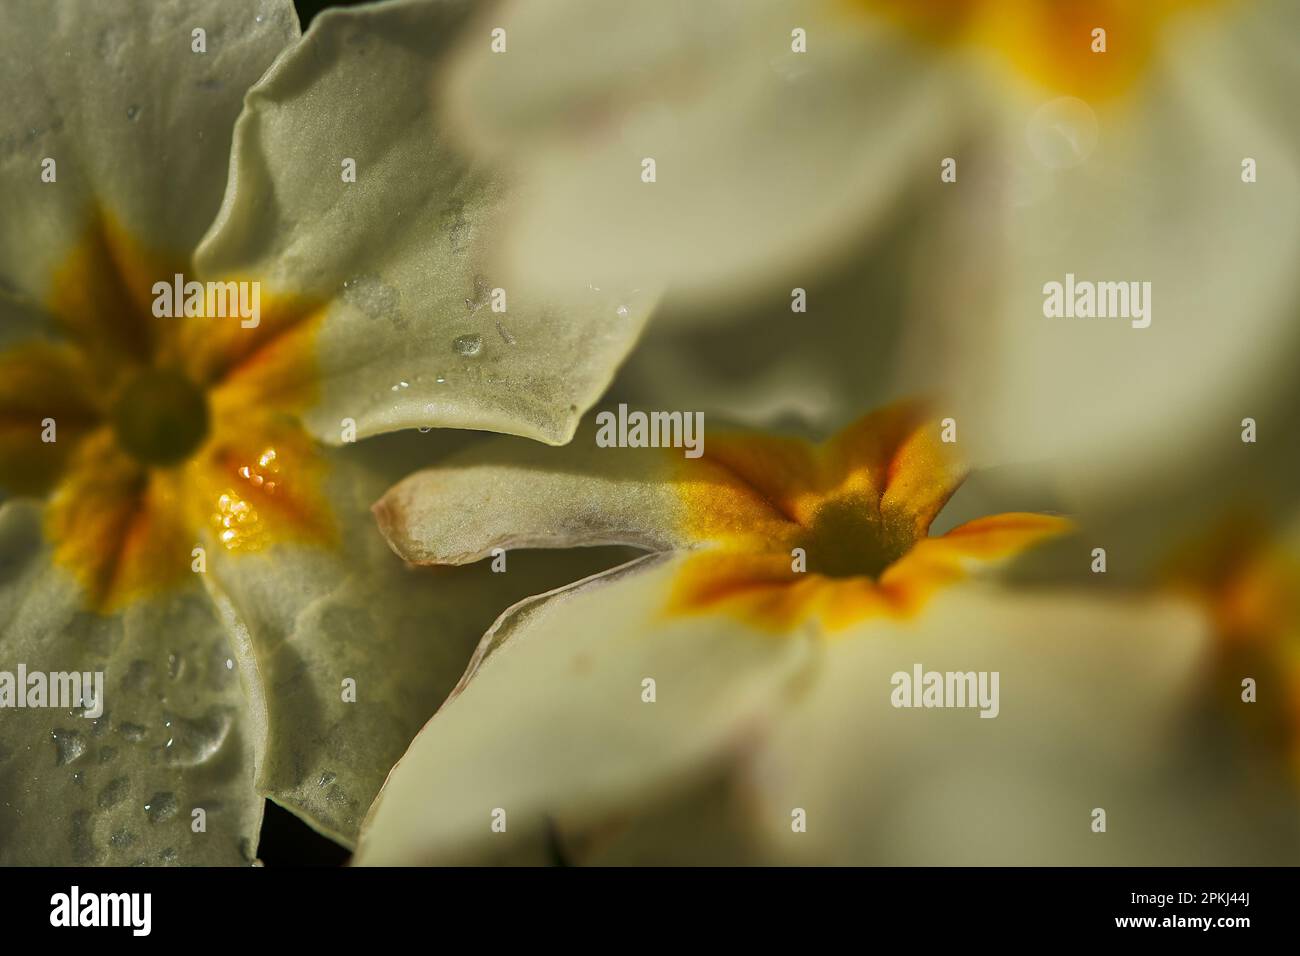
[307, 9]
[286, 840]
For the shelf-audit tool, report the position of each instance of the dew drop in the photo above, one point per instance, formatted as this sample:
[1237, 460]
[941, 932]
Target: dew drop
[161, 807]
[69, 744]
[194, 741]
[468, 344]
[375, 298]
[132, 112]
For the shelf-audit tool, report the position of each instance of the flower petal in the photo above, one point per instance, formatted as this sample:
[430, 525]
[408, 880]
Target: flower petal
[136, 122]
[937, 561]
[1098, 707]
[745, 485]
[767, 161]
[1160, 200]
[513, 494]
[553, 730]
[173, 738]
[318, 616]
[403, 257]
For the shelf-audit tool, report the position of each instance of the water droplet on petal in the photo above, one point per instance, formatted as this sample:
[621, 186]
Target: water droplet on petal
[468, 344]
[69, 745]
[194, 741]
[161, 807]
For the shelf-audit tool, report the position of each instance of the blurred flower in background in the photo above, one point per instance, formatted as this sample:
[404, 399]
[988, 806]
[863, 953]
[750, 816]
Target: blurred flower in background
[804, 144]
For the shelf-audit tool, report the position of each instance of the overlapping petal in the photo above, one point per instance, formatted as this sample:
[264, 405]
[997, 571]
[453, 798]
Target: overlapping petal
[354, 649]
[402, 258]
[552, 732]
[756, 172]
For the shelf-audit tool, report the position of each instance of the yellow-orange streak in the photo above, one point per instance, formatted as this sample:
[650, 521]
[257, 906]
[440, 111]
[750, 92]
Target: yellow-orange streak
[39, 381]
[1048, 42]
[102, 295]
[765, 591]
[118, 528]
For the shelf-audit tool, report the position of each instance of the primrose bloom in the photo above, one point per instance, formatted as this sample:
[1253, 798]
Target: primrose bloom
[985, 149]
[225, 251]
[796, 671]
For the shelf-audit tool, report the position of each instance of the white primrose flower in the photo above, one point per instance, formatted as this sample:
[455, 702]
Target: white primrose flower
[226, 254]
[798, 671]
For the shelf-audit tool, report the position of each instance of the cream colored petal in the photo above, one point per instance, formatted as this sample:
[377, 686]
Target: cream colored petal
[766, 161]
[175, 736]
[1159, 200]
[514, 494]
[319, 617]
[757, 362]
[1101, 704]
[403, 258]
[552, 728]
[137, 124]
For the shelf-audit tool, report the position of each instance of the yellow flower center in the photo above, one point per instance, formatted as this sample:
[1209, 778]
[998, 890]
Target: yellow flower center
[839, 532]
[1053, 43]
[151, 436]
[842, 542]
[161, 417]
